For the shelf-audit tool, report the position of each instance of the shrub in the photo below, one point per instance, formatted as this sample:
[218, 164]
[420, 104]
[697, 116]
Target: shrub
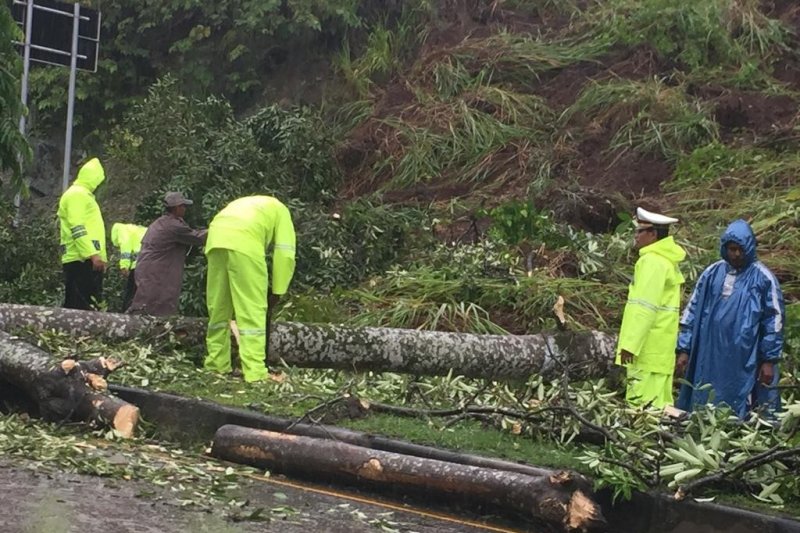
[30, 267]
[712, 33]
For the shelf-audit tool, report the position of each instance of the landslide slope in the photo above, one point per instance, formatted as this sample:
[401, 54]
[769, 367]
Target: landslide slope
[610, 96]
[541, 125]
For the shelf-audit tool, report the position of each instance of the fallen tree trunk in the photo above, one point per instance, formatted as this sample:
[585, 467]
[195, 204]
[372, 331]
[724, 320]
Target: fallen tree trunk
[112, 326]
[70, 390]
[196, 419]
[579, 354]
[555, 498]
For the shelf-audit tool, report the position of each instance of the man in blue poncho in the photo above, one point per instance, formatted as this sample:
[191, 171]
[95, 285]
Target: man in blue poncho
[732, 330]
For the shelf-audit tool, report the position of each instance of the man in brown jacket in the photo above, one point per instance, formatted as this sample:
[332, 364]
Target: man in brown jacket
[159, 267]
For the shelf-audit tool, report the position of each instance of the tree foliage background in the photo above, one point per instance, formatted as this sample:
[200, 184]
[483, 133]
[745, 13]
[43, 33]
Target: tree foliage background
[14, 149]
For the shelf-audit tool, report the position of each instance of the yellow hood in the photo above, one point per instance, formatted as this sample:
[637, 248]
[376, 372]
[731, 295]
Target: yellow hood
[91, 174]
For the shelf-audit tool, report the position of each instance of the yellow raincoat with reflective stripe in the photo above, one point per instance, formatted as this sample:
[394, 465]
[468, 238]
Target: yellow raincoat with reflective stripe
[128, 238]
[650, 323]
[237, 281]
[83, 232]
[249, 226]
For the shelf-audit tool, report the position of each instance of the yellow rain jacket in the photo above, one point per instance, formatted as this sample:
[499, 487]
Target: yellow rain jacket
[128, 238]
[250, 225]
[650, 323]
[83, 233]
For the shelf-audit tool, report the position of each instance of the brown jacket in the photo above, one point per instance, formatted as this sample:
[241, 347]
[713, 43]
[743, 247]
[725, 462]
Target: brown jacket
[159, 266]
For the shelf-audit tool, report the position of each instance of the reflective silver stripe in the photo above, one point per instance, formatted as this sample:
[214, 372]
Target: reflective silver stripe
[643, 303]
[652, 307]
[78, 232]
[774, 295]
[252, 332]
[285, 247]
[219, 325]
[126, 256]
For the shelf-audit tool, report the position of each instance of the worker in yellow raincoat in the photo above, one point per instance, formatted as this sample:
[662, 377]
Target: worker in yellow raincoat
[128, 238]
[83, 239]
[650, 321]
[238, 239]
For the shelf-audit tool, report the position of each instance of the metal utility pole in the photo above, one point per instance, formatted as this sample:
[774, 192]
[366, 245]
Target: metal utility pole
[73, 68]
[26, 67]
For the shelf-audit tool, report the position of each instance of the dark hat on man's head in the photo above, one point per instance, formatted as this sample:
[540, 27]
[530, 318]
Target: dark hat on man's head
[174, 199]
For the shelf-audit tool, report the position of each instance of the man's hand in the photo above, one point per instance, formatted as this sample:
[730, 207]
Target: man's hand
[681, 364]
[124, 271]
[626, 357]
[766, 373]
[98, 264]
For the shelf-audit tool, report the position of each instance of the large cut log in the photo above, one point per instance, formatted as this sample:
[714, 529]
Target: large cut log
[70, 390]
[112, 326]
[583, 354]
[197, 419]
[556, 499]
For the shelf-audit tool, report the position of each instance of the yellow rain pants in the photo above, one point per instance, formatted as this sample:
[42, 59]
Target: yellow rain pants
[236, 280]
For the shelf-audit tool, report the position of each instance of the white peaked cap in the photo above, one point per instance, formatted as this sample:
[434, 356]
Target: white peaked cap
[646, 217]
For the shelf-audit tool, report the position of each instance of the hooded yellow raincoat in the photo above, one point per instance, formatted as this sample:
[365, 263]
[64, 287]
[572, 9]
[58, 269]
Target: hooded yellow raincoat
[83, 233]
[650, 322]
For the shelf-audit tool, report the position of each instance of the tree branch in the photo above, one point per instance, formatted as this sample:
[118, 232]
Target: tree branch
[307, 416]
[776, 453]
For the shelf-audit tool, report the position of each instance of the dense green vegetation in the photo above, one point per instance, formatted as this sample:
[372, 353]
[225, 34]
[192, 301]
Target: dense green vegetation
[14, 150]
[481, 162]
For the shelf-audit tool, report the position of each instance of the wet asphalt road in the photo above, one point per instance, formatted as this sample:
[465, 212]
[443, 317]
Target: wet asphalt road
[36, 502]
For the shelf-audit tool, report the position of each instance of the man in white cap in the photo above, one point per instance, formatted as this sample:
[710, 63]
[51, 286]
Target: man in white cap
[159, 267]
[650, 322]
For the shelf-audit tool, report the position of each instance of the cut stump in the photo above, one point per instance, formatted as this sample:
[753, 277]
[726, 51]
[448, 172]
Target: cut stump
[73, 390]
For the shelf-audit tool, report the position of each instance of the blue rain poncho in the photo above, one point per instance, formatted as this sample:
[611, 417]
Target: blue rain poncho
[733, 323]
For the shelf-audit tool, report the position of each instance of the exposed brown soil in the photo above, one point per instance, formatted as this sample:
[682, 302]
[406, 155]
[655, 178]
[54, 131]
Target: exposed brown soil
[564, 86]
[557, 264]
[583, 161]
[787, 70]
[467, 229]
[759, 113]
[459, 20]
[753, 113]
[589, 161]
[427, 193]
[622, 171]
[357, 153]
[787, 67]
[787, 11]
[588, 208]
